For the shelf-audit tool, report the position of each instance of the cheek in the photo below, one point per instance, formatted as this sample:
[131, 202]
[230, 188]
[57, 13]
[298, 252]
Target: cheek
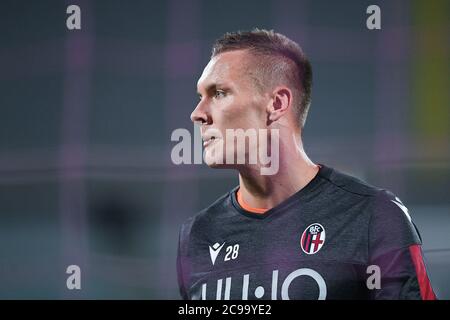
[242, 114]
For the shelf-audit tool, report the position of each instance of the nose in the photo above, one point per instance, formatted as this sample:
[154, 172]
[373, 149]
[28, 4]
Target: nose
[199, 114]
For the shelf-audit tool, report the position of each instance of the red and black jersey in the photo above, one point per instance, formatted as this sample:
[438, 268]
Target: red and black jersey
[336, 238]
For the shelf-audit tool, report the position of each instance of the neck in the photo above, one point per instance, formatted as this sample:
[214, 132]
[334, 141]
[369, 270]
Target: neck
[296, 170]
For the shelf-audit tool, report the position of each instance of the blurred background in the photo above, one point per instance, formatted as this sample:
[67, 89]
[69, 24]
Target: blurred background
[86, 118]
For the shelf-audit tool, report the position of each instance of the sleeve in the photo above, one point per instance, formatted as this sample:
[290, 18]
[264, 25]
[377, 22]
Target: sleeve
[183, 265]
[395, 248]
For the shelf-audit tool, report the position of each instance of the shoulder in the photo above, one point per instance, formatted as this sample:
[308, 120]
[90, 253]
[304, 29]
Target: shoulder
[389, 220]
[388, 203]
[383, 200]
[391, 226]
[390, 214]
[350, 185]
[382, 205]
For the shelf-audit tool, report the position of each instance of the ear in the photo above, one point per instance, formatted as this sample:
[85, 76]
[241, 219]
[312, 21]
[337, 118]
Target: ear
[279, 104]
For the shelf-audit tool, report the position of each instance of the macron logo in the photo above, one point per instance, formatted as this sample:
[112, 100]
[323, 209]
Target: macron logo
[214, 251]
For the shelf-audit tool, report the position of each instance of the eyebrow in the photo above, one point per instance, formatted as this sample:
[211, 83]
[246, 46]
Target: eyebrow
[212, 86]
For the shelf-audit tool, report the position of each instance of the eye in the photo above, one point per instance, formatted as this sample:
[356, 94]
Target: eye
[219, 94]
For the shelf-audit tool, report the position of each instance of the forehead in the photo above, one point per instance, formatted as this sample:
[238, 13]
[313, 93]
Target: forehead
[225, 67]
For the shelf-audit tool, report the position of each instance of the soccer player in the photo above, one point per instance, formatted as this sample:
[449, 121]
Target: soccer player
[306, 231]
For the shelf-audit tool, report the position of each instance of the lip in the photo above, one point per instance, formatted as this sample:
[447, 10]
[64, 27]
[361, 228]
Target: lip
[208, 141]
[209, 135]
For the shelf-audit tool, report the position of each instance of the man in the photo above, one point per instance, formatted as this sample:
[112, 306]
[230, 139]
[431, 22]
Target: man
[306, 231]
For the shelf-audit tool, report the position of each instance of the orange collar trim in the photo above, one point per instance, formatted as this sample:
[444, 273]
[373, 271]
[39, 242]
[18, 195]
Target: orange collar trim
[245, 206]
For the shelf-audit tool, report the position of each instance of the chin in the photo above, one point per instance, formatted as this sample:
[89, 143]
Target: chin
[213, 163]
[215, 166]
